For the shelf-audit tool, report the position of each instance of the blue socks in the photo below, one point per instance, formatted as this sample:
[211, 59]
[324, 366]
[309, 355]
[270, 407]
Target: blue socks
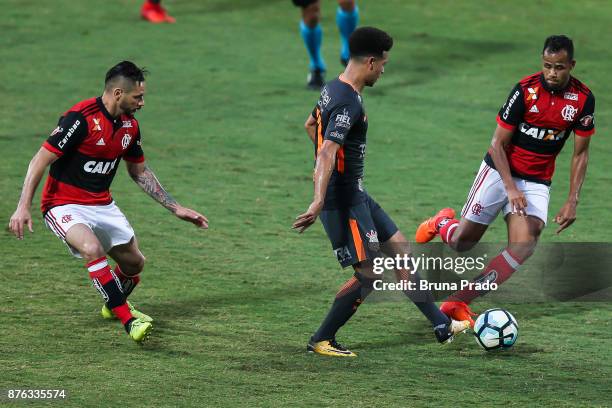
[347, 22]
[312, 40]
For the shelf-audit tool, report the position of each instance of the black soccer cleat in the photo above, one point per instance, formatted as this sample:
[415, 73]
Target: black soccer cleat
[445, 333]
[315, 80]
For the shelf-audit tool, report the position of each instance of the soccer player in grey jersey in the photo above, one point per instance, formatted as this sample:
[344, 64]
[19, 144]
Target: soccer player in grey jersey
[356, 225]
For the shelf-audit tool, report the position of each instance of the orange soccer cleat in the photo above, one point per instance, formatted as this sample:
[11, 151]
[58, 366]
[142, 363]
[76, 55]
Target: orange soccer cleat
[155, 13]
[429, 228]
[458, 311]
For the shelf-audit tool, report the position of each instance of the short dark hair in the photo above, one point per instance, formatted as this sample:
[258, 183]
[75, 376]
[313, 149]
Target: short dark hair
[127, 70]
[369, 41]
[556, 43]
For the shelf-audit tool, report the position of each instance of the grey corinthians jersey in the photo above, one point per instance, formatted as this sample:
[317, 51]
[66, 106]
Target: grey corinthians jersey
[341, 118]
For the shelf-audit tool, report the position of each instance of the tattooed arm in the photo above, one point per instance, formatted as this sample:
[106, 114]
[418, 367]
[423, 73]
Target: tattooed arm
[145, 178]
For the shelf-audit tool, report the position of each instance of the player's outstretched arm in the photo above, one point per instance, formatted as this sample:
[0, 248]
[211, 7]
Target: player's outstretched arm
[567, 214]
[326, 158]
[22, 216]
[145, 178]
[501, 138]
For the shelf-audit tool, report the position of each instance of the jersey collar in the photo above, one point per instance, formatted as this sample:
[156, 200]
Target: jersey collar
[341, 79]
[114, 121]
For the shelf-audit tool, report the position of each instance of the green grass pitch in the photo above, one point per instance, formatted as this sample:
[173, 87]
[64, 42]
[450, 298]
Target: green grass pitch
[222, 128]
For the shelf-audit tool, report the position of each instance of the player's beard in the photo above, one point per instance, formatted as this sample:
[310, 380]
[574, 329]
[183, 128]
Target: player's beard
[127, 110]
[558, 86]
[553, 86]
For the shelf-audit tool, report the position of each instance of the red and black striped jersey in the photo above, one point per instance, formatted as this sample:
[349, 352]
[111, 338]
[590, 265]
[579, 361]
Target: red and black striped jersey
[542, 120]
[90, 143]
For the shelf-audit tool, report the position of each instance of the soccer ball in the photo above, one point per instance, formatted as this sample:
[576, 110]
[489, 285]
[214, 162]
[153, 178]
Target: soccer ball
[495, 329]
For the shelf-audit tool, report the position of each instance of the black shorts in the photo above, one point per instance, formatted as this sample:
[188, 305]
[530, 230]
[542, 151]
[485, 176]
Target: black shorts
[303, 3]
[356, 229]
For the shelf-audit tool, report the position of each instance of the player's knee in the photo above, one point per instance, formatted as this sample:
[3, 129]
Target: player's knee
[461, 241]
[464, 239]
[135, 266]
[347, 5]
[522, 250]
[311, 20]
[91, 250]
[312, 15]
[139, 266]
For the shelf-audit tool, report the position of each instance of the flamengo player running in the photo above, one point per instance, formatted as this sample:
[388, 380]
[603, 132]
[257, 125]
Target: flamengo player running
[337, 127]
[532, 127]
[84, 151]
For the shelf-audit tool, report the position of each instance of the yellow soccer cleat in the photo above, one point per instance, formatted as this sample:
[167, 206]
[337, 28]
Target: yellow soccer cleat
[140, 330]
[329, 348]
[108, 314]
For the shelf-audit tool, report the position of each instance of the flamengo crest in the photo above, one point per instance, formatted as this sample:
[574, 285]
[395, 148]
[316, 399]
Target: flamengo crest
[125, 142]
[568, 113]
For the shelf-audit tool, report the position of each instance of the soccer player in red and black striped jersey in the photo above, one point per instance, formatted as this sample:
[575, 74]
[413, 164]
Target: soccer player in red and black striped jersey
[533, 125]
[357, 226]
[84, 152]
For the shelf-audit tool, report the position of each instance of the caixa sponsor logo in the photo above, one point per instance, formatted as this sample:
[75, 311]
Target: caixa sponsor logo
[99, 167]
[64, 140]
[541, 133]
